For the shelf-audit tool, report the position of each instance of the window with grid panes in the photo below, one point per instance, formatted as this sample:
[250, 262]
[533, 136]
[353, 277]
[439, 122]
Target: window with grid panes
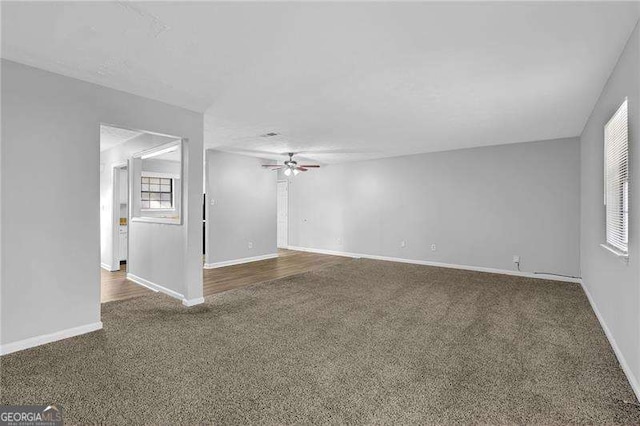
[157, 193]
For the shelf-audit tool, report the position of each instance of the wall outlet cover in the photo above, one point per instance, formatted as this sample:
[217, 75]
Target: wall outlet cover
[250, 245]
[403, 243]
[433, 247]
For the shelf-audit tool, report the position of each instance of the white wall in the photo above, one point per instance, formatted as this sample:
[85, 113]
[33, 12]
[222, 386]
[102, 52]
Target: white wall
[613, 285]
[50, 157]
[479, 206]
[245, 207]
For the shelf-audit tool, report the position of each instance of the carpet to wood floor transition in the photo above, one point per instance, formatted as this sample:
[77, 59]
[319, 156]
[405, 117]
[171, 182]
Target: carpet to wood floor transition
[360, 342]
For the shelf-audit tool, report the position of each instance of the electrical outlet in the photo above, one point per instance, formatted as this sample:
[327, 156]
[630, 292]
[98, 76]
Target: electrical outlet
[212, 202]
[433, 247]
[250, 245]
[339, 241]
[403, 243]
[516, 258]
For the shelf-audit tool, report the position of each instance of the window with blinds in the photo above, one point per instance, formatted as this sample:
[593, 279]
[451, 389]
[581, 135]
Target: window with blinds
[616, 181]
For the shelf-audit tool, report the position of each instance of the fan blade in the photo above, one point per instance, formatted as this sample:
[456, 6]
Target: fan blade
[333, 151]
[273, 165]
[302, 169]
[309, 165]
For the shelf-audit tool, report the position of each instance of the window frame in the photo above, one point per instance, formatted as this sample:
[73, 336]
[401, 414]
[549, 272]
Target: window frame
[172, 192]
[163, 217]
[621, 166]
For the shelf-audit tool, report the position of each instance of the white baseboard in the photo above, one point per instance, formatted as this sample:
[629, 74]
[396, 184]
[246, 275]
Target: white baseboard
[108, 267]
[153, 286]
[438, 264]
[621, 360]
[193, 302]
[48, 338]
[158, 288]
[239, 261]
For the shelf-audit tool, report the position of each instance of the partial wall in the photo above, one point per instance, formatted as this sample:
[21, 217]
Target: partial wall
[51, 199]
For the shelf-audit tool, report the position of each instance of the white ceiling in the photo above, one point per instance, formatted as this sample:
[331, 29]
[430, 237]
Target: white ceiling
[112, 136]
[340, 81]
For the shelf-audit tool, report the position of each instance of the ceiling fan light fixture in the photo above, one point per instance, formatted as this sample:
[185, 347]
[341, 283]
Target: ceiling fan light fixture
[290, 166]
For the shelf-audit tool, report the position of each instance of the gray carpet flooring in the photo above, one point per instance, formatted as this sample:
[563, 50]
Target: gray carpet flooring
[361, 342]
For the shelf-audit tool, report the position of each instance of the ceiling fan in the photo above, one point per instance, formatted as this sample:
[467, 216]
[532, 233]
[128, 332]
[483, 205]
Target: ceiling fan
[291, 166]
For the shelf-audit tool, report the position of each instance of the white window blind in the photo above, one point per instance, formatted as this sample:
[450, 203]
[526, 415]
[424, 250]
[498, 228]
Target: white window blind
[616, 175]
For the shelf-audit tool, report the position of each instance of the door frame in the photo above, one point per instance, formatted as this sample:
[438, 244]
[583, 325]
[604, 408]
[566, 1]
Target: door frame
[286, 181]
[115, 212]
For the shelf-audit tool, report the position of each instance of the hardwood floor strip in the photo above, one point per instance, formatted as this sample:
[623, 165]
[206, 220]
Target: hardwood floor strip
[115, 285]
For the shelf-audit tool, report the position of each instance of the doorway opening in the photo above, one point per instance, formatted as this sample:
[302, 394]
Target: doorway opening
[113, 279]
[283, 214]
[141, 187]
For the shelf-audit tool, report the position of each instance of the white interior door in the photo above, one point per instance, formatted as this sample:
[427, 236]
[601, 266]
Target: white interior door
[283, 214]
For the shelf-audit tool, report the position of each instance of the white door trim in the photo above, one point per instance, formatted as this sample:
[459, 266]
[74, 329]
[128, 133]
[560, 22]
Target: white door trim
[285, 243]
[115, 213]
